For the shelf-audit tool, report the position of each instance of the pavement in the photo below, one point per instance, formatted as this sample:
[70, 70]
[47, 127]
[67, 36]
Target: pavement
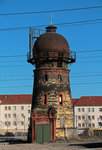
[94, 143]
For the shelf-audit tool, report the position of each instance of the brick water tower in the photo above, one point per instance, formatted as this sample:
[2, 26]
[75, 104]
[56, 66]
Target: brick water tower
[51, 103]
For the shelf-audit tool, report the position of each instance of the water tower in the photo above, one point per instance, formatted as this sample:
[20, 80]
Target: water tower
[51, 104]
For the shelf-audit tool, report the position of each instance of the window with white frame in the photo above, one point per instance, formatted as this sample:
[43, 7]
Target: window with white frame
[9, 115]
[82, 109]
[100, 109]
[9, 107]
[88, 109]
[14, 107]
[14, 115]
[93, 117]
[5, 115]
[92, 109]
[22, 107]
[5, 107]
[79, 109]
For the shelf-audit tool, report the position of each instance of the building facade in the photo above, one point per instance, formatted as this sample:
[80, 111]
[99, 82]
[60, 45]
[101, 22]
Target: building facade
[88, 112]
[15, 113]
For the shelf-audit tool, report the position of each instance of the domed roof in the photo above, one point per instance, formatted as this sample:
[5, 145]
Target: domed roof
[51, 41]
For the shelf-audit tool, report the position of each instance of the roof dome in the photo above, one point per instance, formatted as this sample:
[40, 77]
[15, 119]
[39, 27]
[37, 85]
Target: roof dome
[51, 41]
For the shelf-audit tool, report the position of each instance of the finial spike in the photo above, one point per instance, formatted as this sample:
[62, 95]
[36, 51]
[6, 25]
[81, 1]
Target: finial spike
[51, 17]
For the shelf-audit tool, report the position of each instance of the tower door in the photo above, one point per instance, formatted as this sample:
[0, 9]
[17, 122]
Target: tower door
[43, 133]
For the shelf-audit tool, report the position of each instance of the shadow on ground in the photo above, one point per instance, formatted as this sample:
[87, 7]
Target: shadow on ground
[12, 141]
[89, 145]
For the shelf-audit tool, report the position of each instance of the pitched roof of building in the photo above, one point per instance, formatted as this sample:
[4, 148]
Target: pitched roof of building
[88, 101]
[16, 99]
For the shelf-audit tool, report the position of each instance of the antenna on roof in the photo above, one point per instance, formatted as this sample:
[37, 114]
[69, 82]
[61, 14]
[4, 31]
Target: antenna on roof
[51, 17]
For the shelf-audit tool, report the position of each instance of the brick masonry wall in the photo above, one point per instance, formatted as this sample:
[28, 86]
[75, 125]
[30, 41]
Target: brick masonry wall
[53, 87]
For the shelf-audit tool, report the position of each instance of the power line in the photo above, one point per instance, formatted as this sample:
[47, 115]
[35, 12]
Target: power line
[15, 80]
[84, 51]
[92, 50]
[57, 24]
[86, 83]
[48, 11]
[32, 78]
[89, 61]
[88, 76]
[71, 84]
[90, 57]
[12, 56]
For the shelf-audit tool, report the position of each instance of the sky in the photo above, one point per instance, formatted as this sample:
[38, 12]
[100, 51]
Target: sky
[16, 75]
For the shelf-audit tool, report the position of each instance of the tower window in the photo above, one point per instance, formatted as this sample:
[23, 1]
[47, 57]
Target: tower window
[60, 99]
[59, 63]
[45, 99]
[59, 77]
[46, 77]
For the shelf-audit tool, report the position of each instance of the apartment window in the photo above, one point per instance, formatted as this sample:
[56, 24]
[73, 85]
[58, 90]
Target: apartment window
[5, 123]
[100, 109]
[9, 115]
[79, 117]
[93, 125]
[22, 123]
[28, 111]
[14, 115]
[46, 77]
[14, 123]
[79, 124]
[88, 109]
[100, 117]
[5, 107]
[92, 109]
[83, 125]
[9, 108]
[5, 115]
[89, 125]
[14, 107]
[89, 117]
[93, 117]
[9, 123]
[82, 109]
[22, 107]
[59, 78]
[22, 115]
[83, 117]
[29, 119]
[78, 109]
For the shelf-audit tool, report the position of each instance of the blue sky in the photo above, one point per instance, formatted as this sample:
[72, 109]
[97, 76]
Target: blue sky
[16, 75]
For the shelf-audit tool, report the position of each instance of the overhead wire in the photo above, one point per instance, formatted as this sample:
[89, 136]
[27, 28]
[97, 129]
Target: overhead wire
[48, 11]
[57, 24]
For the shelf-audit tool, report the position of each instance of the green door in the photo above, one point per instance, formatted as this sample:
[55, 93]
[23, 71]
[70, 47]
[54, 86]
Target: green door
[43, 133]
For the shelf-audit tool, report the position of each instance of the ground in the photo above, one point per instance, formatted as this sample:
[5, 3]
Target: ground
[94, 143]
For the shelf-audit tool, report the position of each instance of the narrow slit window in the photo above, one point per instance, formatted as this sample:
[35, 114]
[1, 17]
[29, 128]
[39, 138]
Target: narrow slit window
[46, 77]
[60, 78]
[60, 99]
[45, 99]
